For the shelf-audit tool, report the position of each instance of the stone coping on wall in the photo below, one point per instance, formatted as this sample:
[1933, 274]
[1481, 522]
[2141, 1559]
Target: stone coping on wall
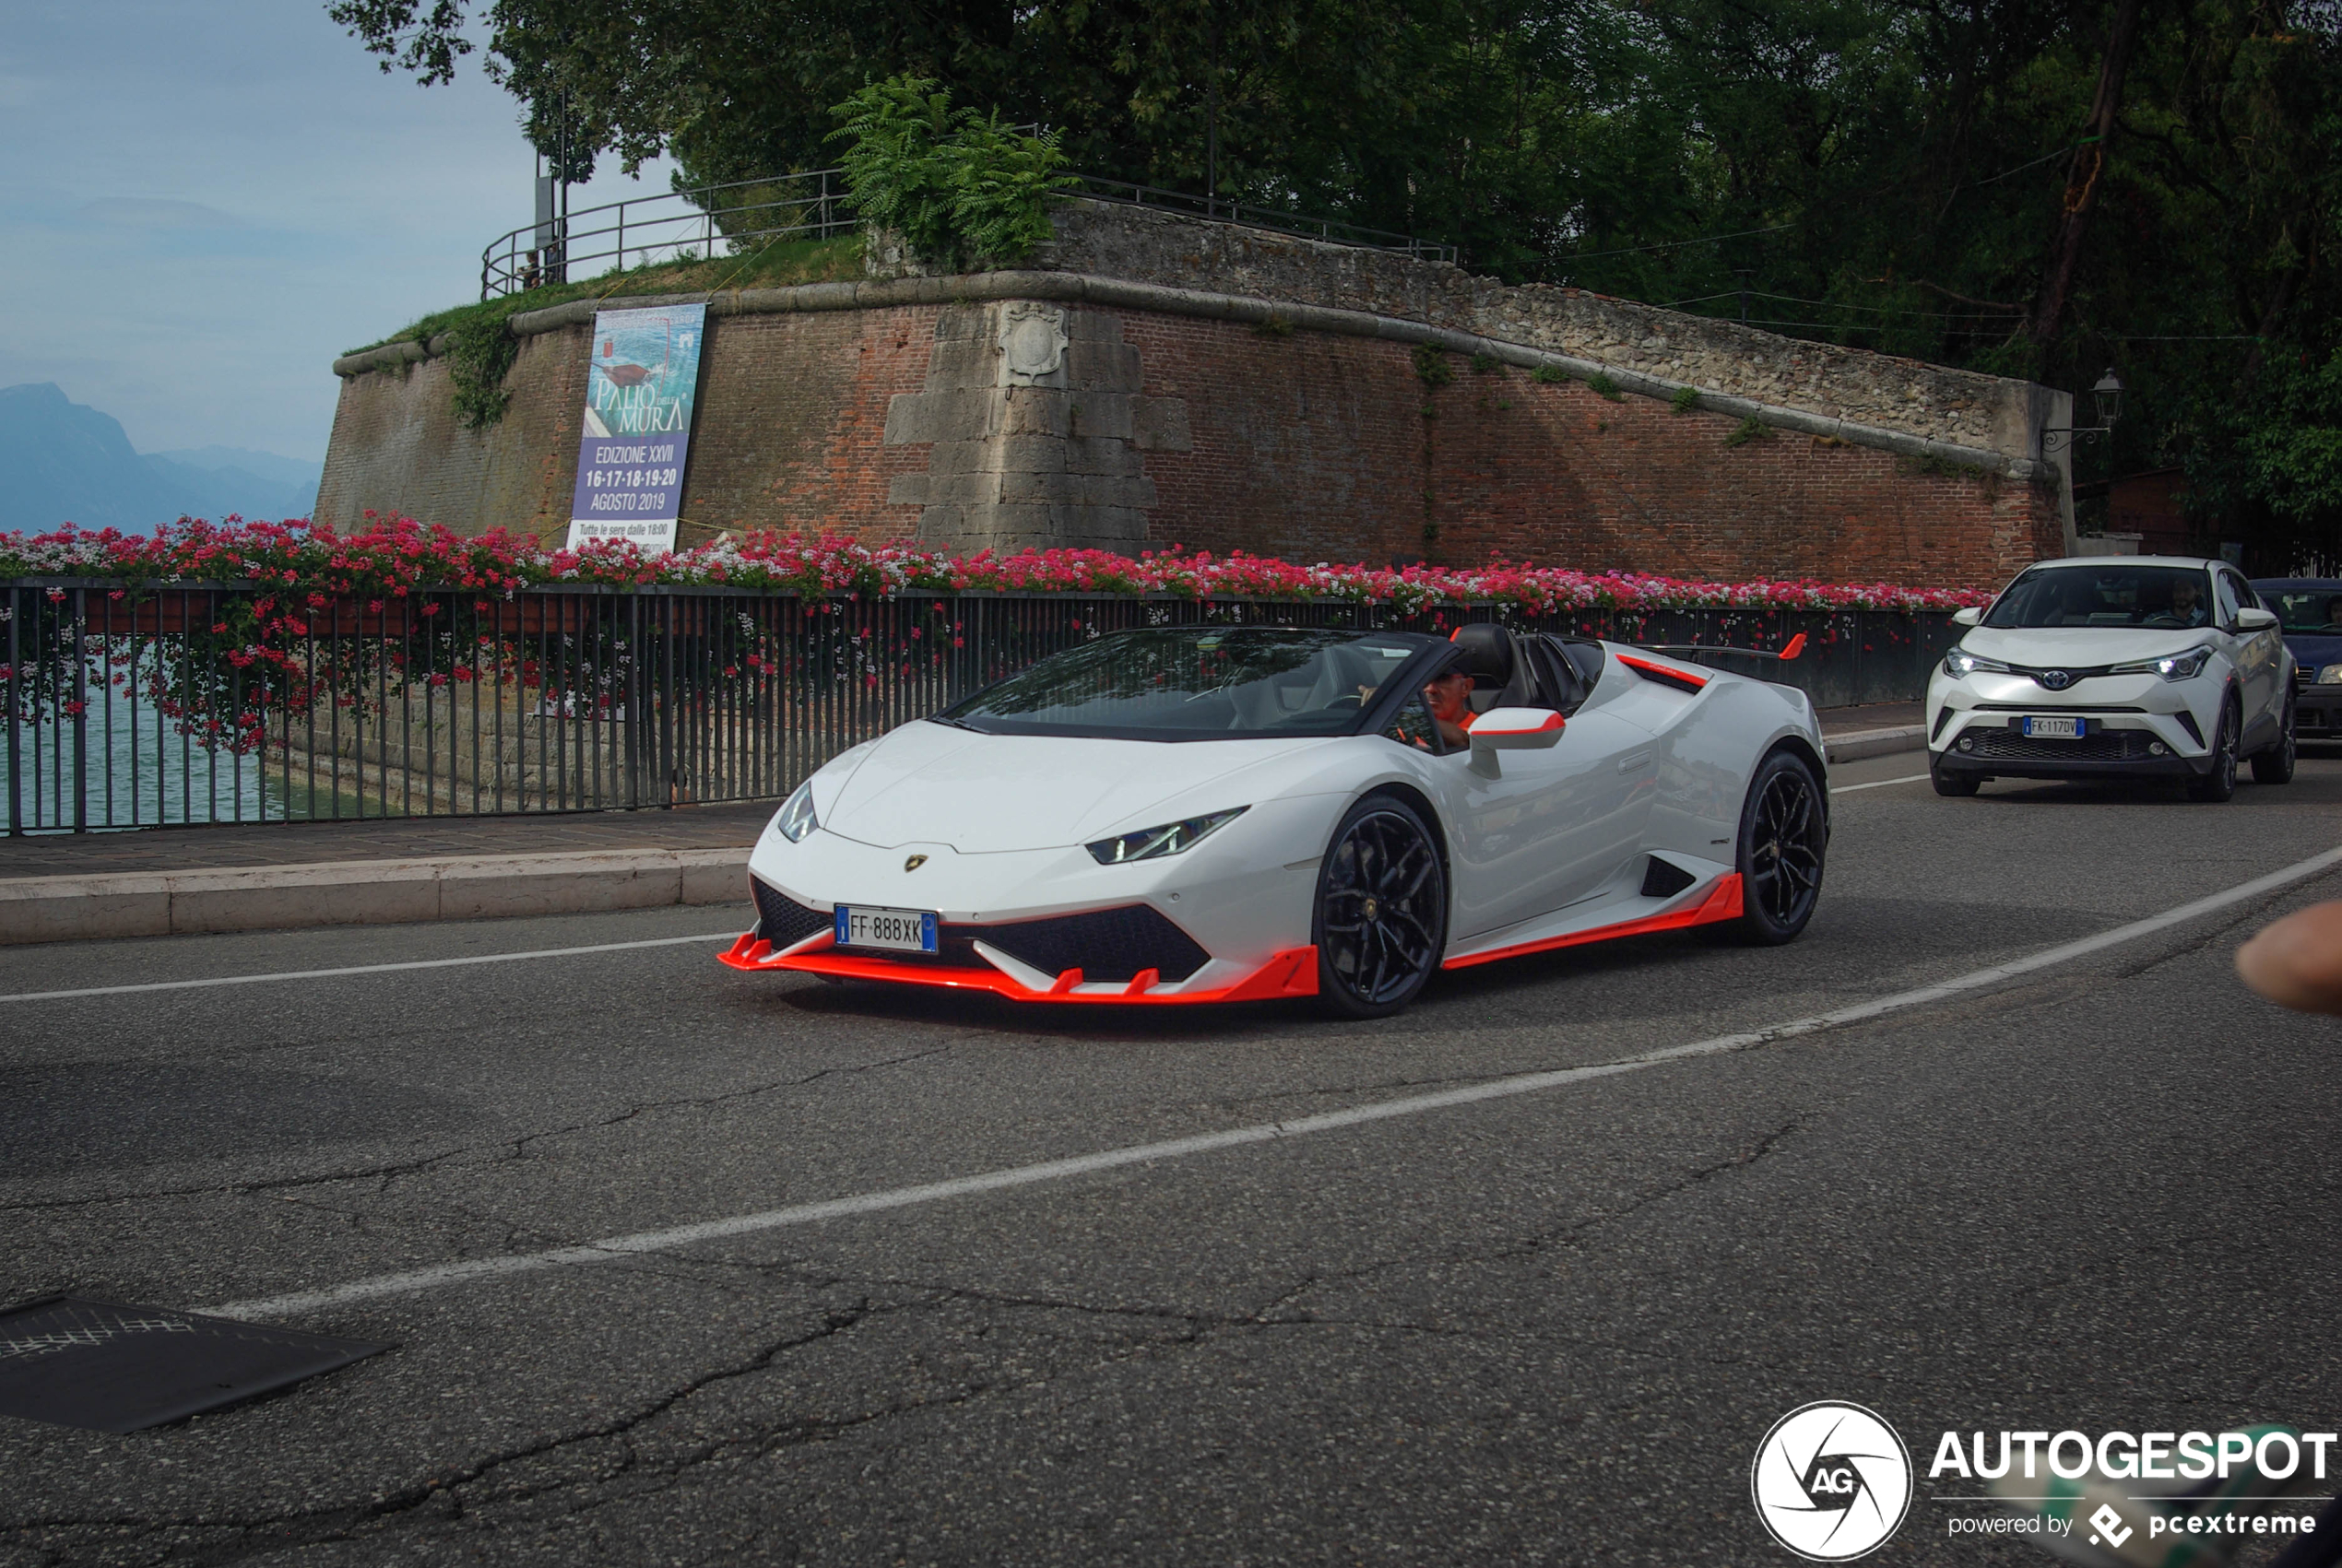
[1073, 288]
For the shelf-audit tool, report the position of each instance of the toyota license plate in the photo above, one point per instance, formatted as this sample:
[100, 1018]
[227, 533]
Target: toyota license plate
[2056, 729]
[897, 930]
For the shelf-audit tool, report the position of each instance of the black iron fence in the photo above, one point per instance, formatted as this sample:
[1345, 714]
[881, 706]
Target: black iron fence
[172, 703]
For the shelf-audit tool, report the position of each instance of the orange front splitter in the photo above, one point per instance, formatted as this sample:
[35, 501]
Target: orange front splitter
[1293, 973]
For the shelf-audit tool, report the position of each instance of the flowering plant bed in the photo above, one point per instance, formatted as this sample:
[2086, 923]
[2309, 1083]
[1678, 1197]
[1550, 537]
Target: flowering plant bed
[408, 664]
[392, 558]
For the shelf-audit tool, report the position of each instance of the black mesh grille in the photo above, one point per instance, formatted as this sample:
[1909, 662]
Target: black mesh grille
[781, 920]
[1108, 944]
[2099, 746]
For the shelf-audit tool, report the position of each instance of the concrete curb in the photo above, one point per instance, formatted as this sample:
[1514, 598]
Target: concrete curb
[364, 892]
[1855, 745]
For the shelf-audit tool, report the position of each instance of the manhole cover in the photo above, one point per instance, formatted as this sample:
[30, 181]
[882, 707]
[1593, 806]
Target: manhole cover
[107, 1367]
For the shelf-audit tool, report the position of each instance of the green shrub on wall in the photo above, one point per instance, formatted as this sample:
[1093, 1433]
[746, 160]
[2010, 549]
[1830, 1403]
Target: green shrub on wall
[480, 349]
[961, 188]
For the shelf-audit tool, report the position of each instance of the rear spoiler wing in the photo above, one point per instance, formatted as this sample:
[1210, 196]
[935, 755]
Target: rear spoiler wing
[1700, 653]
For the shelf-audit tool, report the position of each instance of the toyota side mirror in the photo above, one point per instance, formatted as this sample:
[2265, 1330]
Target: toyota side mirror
[2256, 619]
[1973, 615]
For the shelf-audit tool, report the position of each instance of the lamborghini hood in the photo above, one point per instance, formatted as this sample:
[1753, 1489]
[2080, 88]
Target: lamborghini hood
[983, 794]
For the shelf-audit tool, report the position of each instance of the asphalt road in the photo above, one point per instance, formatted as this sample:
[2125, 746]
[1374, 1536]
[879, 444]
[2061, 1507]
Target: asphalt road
[1549, 1327]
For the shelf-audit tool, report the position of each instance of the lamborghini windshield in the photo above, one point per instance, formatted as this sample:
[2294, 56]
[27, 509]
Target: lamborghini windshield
[2156, 597]
[1197, 683]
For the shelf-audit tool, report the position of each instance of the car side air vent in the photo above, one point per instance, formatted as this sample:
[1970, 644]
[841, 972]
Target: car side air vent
[1665, 879]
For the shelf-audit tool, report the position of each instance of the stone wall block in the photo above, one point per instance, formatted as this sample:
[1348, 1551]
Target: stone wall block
[1094, 326]
[1092, 364]
[1087, 455]
[965, 324]
[1035, 410]
[964, 363]
[1160, 424]
[914, 417]
[1046, 489]
[1105, 415]
[967, 490]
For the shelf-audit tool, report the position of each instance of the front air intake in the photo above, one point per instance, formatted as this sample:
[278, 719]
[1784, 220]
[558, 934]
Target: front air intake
[1106, 944]
[781, 920]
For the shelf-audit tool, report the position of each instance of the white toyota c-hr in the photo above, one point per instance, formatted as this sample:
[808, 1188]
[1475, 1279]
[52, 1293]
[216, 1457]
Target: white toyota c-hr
[2122, 666]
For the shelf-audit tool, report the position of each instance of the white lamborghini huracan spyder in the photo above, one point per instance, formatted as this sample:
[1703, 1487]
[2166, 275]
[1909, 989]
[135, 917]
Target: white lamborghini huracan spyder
[1212, 813]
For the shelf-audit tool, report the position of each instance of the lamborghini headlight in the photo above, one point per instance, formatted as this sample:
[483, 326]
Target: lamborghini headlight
[2330, 674]
[1154, 843]
[795, 819]
[2172, 667]
[1960, 663]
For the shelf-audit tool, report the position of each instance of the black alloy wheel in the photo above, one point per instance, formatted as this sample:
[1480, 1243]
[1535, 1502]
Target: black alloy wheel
[1784, 832]
[2219, 784]
[1381, 922]
[2275, 766]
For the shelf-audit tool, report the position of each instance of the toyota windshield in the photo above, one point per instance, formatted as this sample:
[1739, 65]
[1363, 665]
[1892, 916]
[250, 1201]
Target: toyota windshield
[2155, 598]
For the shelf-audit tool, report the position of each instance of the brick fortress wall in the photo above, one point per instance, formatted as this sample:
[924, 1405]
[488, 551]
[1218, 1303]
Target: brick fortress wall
[1088, 402]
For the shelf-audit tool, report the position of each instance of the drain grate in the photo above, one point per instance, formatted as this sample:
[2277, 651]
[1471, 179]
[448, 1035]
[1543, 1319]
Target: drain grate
[106, 1367]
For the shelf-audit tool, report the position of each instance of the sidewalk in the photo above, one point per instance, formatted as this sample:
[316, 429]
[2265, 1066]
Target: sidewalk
[1874, 730]
[65, 887]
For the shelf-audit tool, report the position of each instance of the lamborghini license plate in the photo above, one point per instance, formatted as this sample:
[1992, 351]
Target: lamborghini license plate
[899, 930]
[2056, 729]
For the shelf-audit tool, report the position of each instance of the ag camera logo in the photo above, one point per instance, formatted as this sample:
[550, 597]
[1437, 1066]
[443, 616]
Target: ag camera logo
[1831, 1482]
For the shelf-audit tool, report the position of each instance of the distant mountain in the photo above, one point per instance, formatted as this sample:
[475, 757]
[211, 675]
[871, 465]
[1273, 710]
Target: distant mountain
[68, 463]
[264, 466]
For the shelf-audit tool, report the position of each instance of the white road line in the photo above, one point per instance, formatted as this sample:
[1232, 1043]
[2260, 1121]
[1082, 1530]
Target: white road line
[613, 1247]
[1881, 783]
[364, 969]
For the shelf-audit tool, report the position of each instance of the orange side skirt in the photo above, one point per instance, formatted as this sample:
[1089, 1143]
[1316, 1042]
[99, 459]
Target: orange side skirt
[1721, 903]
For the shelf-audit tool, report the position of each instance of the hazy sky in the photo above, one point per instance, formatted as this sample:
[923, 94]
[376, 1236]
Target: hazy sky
[203, 204]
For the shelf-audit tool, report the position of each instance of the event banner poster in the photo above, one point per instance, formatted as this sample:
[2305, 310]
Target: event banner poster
[638, 425]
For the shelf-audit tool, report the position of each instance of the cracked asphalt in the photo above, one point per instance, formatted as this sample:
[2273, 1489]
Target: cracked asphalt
[1544, 1328]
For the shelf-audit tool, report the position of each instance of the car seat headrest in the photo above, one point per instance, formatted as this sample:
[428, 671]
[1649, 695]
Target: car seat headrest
[1487, 652]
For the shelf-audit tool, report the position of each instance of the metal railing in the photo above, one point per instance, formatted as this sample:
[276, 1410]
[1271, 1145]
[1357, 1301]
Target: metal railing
[1220, 209]
[747, 214]
[740, 216]
[230, 702]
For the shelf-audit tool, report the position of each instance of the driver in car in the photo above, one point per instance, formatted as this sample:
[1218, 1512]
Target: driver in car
[2187, 602]
[1449, 698]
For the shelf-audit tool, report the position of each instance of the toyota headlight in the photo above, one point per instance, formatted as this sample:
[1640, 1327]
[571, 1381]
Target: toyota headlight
[795, 819]
[2172, 667]
[1154, 843]
[1960, 662]
[2330, 674]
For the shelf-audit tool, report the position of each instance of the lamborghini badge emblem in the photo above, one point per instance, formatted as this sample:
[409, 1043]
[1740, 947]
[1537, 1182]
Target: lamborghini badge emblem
[915, 863]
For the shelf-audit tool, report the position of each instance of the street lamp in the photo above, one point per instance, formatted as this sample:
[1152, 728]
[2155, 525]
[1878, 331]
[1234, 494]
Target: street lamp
[2107, 395]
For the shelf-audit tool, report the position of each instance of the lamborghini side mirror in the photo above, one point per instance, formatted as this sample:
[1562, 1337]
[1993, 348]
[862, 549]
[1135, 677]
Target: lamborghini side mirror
[1517, 729]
